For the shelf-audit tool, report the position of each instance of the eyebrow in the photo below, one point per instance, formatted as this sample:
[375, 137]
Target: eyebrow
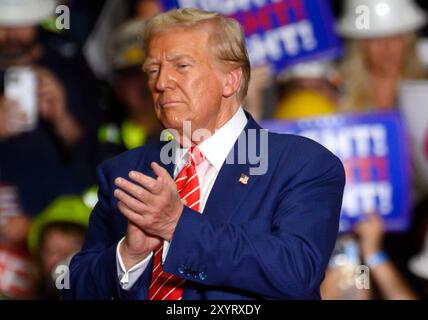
[172, 58]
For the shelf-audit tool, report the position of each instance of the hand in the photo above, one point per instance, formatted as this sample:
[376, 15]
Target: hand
[52, 105]
[370, 231]
[137, 245]
[12, 120]
[51, 97]
[151, 204]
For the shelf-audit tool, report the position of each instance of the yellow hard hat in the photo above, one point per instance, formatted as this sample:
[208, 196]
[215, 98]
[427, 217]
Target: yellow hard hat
[303, 104]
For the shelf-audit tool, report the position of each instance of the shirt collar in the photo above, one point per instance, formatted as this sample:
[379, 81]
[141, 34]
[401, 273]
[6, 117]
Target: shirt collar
[217, 147]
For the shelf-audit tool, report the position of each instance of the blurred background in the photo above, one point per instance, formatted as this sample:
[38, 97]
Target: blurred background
[349, 74]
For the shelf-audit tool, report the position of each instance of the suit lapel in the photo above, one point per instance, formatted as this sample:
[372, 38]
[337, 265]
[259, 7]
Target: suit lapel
[229, 191]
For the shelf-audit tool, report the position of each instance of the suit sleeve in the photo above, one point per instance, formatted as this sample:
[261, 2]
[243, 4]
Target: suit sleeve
[289, 261]
[93, 271]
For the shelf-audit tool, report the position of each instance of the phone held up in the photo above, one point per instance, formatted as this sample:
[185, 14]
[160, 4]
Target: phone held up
[20, 85]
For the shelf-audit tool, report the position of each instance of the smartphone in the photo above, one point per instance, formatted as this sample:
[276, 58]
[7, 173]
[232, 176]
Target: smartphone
[20, 85]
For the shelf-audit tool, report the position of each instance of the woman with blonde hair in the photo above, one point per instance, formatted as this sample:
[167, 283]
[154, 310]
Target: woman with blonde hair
[381, 51]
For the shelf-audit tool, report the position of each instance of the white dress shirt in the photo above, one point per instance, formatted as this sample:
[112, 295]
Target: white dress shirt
[215, 149]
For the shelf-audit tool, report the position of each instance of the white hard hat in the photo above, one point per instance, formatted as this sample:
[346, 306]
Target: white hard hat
[128, 44]
[384, 18]
[17, 13]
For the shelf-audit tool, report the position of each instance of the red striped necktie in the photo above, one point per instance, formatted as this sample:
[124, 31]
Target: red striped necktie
[163, 285]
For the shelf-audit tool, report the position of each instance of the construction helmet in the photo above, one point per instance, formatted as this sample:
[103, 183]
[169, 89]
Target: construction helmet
[384, 18]
[128, 44]
[71, 209]
[17, 13]
[304, 104]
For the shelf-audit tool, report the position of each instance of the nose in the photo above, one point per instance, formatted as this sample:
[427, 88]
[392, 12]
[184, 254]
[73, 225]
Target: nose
[165, 79]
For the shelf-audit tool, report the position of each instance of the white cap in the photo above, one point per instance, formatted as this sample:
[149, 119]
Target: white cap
[384, 18]
[18, 13]
[418, 264]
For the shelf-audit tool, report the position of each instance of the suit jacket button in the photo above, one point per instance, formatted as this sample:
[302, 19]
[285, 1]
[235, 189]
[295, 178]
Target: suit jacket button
[202, 276]
[181, 269]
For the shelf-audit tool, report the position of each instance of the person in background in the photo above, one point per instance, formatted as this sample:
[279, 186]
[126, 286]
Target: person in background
[307, 90]
[55, 235]
[110, 16]
[379, 56]
[133, 121]
[365, 248]
[56, 156]
[146, 9]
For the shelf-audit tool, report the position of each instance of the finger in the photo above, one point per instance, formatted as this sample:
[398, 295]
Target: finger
[132, 203]
[164, 179]
[161, 171]
[147, 182]
[135, 190]
[133, 217]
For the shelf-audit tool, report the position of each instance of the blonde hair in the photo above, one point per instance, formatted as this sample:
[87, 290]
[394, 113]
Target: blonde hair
[358, 90]
[226, 37]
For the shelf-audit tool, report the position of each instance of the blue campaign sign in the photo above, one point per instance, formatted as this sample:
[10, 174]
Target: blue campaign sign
[281, 33]
[373, 150]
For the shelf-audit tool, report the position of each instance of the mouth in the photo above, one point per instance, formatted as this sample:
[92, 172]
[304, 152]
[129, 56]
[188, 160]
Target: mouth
[169, 103]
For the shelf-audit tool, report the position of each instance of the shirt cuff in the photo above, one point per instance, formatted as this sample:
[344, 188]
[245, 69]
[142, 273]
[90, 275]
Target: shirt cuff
[128, 278]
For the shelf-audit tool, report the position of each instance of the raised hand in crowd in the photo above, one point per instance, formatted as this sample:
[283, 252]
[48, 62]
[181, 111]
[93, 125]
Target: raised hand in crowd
[52, 104]
[390, 282]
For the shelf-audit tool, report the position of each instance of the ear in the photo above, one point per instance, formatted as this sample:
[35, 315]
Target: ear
[232, 82]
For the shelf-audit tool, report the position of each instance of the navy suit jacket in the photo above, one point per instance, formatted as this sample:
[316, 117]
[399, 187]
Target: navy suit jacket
[268, 239]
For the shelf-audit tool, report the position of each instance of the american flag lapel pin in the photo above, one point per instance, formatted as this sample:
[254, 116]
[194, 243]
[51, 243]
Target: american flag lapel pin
[244, 178]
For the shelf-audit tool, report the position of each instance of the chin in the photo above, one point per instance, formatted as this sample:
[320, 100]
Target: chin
[173, 122]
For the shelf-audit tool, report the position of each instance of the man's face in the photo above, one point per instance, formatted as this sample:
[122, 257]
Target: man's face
[16, 42]
[186, 81]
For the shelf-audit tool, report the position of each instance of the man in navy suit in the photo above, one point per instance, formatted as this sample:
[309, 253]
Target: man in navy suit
[223, 211]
